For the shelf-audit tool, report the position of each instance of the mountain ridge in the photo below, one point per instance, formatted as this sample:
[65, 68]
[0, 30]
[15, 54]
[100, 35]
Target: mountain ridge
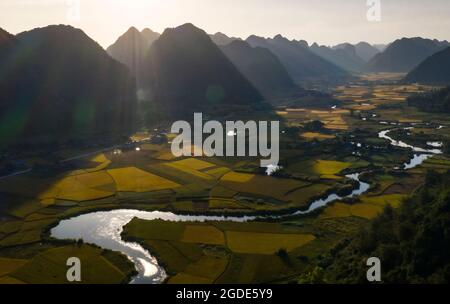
[59, 83]
[300, 61]
[131, 48]
[262, 68]
[221, 39]
[186, 71]
[342, 55]
[405, 54]
[433, 70]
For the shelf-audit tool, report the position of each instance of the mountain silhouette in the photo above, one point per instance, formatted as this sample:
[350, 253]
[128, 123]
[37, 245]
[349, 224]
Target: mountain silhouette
[131, 48]
[300, 61]
[434, 70]
[149, 36]
[343, 55]
[58, 84]
[366, 51]
[262, 68]
[7, 43]
[6, 38]
[405, 54]
[381, 47]
[186, 72]
[222, 39]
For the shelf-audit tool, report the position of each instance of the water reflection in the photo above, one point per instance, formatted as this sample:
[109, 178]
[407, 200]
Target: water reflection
[362, 188]
[418, 159]
[271, 169]
[104, 229]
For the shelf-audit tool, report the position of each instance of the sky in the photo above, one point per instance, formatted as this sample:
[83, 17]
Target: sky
[326, 22]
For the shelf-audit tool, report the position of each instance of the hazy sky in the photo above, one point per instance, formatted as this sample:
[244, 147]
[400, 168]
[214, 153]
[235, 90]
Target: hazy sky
[323, 21]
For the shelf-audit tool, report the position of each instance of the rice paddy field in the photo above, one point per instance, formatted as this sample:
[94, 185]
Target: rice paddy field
[334, 119]
[207, 253]
[316, 136]
[69, 182]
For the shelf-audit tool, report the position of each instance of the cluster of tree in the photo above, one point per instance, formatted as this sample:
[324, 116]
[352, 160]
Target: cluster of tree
[315, 125]
[412, 242]
[435, 101]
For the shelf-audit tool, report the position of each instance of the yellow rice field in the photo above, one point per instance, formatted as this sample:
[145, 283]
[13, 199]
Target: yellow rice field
[192, 166]
[316, 135]
[202, 234]
[265, 243]
[136, 180]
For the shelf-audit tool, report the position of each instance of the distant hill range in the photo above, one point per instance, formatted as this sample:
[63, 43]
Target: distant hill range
[221, 39]
[58, 84]
[186, 72]
[405, 54]
[343, 55]
[262, 68]
[131, 48]
[434, 70]
[366, 51]
[381, 47]
[301, 63]
[350, 57]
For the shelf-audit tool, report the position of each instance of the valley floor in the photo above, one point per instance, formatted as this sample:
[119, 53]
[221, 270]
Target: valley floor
[148, 177]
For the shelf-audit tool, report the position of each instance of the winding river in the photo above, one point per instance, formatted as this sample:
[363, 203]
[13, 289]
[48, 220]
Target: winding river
[420, 154]
[104, 228]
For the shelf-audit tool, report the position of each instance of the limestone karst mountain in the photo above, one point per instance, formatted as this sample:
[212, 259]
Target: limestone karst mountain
[366, 51]
[433, 70]
[299, 60]
[131, 48]
[222, 39]
[57, 83]
[186, 71]
[405, 54]
[343, 55]
[262, 68]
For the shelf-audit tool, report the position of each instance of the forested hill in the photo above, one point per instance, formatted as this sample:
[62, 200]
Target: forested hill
[412, 242]
[437, 101]
[434, 70]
